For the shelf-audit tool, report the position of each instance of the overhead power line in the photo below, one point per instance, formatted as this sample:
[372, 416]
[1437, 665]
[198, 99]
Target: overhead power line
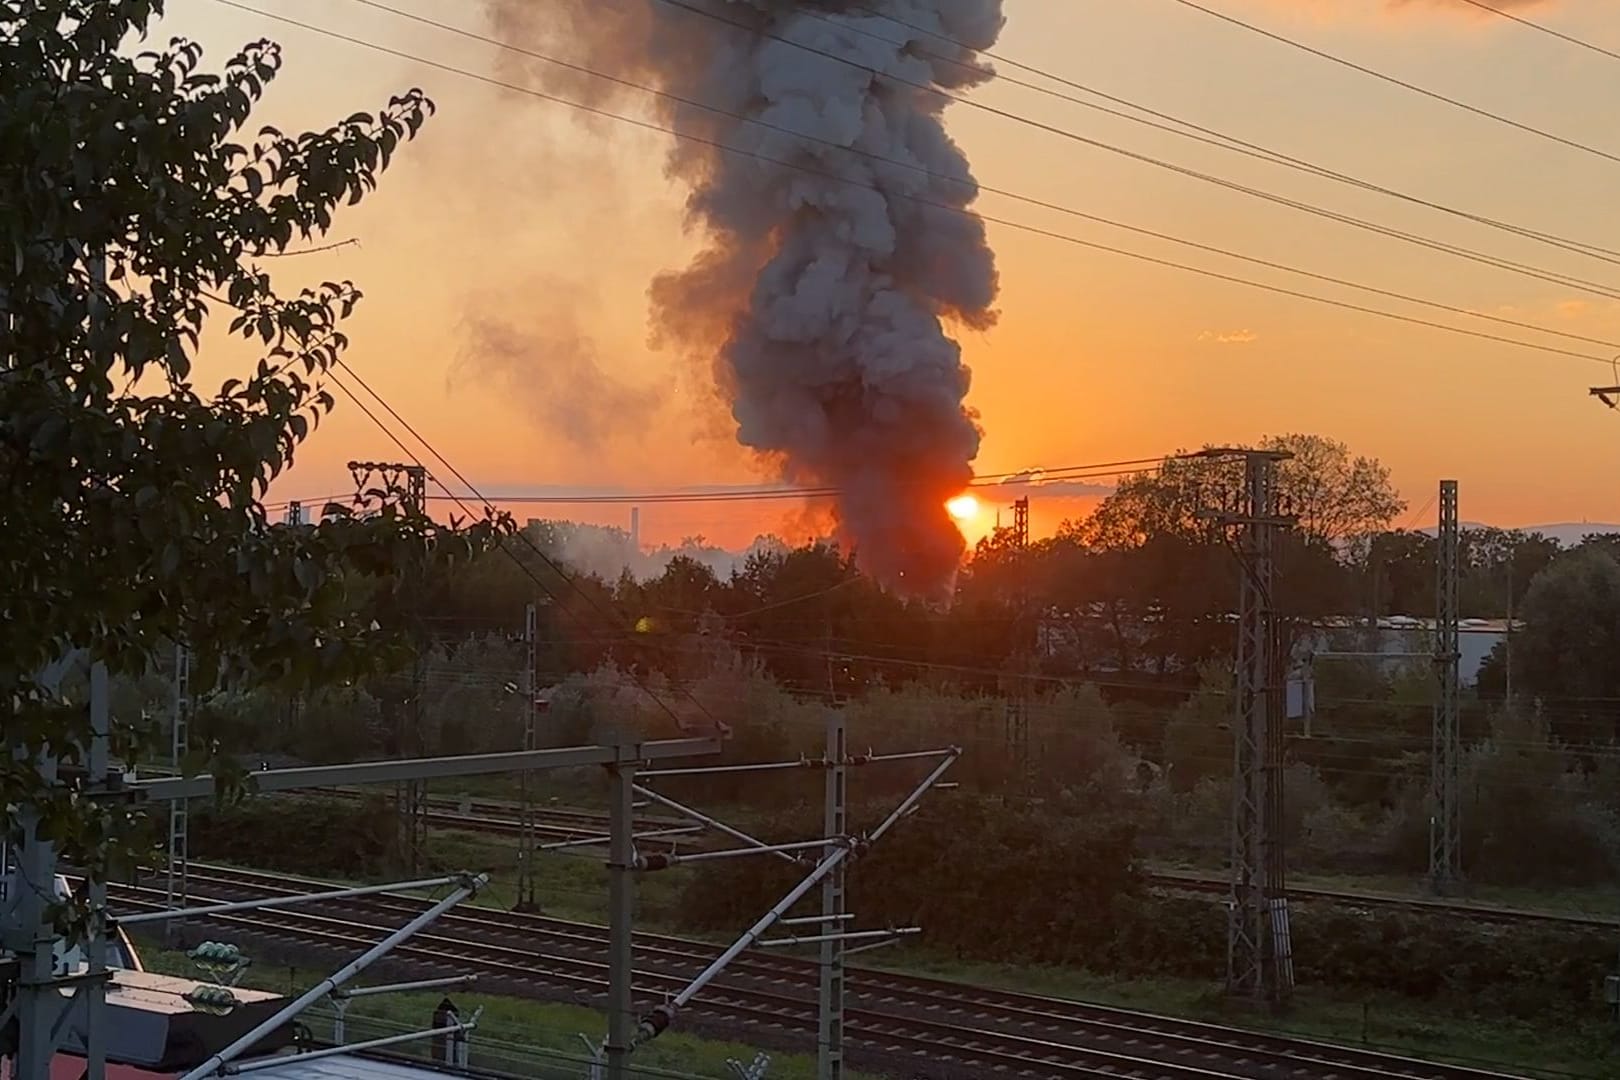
[1214, 137]
[1007, 223]
[768, 494]
[1022, 479]
[524, 567]
[1456, 103]
[1545, 29]
[1538, 273]
[932, 174]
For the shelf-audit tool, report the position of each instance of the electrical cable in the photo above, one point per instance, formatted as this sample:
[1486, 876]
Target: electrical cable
[1219, 138]
[1545, 29]
[1402, 83]
[1046, 478]
[1309, 208]
[1270, 264]
[662, 704]
[1231, 144]
[1020, 226]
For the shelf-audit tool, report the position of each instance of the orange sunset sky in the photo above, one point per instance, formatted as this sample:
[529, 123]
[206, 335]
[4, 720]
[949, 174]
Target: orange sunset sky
[511, 207]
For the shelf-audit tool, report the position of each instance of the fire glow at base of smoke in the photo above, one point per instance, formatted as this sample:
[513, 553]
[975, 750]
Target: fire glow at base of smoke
[832, 202]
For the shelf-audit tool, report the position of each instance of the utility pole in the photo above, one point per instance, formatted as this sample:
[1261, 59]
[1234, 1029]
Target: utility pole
[179, 852]
[1259, 951]
[409, 482]
[1445, 842]
[36, 1011]
[622, 1019]
[1023, 656]
[830, 1036]
[531, 707]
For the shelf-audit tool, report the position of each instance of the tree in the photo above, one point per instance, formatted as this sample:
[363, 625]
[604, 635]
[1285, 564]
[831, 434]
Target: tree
[1336, 496]
[134, 513]
[1497, 567]
[1571, 633]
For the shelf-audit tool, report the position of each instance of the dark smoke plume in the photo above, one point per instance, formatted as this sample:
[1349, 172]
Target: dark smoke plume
[824, 288]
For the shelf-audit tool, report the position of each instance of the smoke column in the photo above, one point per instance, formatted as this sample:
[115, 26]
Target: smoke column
[824, 290]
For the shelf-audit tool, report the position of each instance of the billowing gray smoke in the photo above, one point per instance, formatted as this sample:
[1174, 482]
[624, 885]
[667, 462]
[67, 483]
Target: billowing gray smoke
[836, 249]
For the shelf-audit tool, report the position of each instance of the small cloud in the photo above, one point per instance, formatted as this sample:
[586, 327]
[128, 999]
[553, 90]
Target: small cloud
[1229, 337]
[1573, 309]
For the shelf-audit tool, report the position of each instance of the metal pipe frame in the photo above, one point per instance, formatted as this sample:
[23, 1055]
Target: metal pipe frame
[916, 795]
[830, 956]
[661, 1017]
[351, 1048]
[802, 763]
[854, 935]
[215, 1064]
[287, 901]
[588, 841]
[816, 920]
[709, 770]
[869, 946]
[621, 1032]
[906, 755]
[733, 853]
[404, 987]
[713, 823]
[429, 768]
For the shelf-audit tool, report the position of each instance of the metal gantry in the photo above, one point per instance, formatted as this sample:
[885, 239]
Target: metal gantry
[1259, 951]
[531, 708]
[47, 1014]
[174, 891]
[835, 825]
[1024, 633]
[1445, 834]
[835, 852]
[621, 1035]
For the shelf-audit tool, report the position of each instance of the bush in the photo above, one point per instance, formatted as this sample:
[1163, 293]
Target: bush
[1032, 883]
[357, 836]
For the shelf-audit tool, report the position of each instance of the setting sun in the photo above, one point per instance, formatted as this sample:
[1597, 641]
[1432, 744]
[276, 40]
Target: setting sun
[963, 507]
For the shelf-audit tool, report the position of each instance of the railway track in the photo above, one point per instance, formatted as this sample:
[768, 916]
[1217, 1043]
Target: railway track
[490, 816]
[912, 1026]
[1196, 881]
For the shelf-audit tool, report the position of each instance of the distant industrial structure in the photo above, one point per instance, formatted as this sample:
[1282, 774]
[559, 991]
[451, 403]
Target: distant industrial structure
[1391, 640]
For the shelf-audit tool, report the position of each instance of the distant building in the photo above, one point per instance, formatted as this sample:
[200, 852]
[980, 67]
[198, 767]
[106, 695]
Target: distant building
[1091, 634]
[1398, 636]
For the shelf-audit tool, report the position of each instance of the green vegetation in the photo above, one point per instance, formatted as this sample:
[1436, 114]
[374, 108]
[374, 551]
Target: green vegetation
[513, 1033]
[1392, 1024]
[139, 197]
[1433, 986]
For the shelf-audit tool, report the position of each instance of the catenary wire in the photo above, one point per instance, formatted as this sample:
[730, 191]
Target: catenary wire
[1007, 223]
[1596, 288]
[1208, 136]
[1544, 28]
[1029, 200]
[1402, 83]
[1224, 140]
[660, 702]
[1308, 208]
[567, 578]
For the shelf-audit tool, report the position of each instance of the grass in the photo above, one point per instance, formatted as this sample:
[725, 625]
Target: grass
[575, 887]
[1593, 900]
[1392, 1025]
[514, 1034]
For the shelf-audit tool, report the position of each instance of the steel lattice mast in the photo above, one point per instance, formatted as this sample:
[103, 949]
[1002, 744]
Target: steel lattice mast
[1445, 839]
